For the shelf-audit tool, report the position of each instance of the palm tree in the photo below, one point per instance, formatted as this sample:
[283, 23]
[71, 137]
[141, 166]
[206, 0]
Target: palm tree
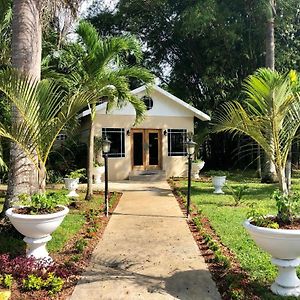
[104, 69]
[27, 24]
[45, 109]
[271, 111]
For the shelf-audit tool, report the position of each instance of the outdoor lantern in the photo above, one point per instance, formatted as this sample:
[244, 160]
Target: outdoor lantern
[106, 145]
[190, 147]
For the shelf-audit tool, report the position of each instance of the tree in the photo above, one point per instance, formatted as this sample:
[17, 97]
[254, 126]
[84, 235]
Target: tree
[45, 109]
[26, 58]
[105, 68]
[271, 111]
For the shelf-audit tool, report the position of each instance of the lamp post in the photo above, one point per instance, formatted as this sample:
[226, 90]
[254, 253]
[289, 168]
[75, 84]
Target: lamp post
[106, 149]
[190, 148]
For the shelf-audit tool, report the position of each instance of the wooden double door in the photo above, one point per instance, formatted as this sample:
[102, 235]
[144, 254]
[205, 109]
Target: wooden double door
[146, 149]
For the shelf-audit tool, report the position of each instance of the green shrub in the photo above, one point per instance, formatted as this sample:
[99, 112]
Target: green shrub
[43, 202]
[80, 245]
[53, 284]
[33, 283]
[237, 193]
[222, 259]
[6, 280]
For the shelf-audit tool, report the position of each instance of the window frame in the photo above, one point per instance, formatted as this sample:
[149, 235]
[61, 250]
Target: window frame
[121, 131]
[170, 132]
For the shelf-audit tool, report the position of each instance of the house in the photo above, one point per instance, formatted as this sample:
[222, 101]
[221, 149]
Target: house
[155, 146]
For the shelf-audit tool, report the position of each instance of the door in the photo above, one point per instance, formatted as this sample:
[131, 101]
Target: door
[146, 149]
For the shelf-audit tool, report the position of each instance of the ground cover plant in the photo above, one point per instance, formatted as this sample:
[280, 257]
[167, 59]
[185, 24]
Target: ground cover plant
[226, 220]
[70, 247]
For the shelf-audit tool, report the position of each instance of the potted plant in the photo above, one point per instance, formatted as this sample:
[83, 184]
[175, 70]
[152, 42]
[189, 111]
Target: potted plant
[280, 236]
[218, 180]
[37, 217]
[72, 181]
[197, 166]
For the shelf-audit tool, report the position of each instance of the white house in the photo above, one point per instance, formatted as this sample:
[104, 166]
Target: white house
[155, 146]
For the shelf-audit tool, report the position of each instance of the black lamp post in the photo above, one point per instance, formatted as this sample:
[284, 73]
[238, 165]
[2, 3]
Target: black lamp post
[190, 148]
[106, 149]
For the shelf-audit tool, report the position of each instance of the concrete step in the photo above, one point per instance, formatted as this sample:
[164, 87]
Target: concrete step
[149, 175]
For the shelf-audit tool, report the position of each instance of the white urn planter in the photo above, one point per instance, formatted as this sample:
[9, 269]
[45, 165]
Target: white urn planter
[284, 247]
[218, 182]
[37, 230]
[196, 167]
[71, 185]
[98, 172]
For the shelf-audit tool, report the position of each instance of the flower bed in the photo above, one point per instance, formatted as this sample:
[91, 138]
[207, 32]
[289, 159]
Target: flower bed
[71, 248]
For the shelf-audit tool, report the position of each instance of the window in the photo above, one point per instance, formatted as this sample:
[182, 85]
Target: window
[117, 138]
[148, 102]
[61, 137]
[176, 142]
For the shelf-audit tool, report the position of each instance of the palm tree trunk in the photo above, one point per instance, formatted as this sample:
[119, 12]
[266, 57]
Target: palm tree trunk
[90, 161]
[288, 171]
[258, 167]
[282, 181]
[269, 171]
[26, 57]
[270, 38]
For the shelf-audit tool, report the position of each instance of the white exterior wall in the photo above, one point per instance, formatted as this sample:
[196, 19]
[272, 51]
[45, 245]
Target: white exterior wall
[120, 167]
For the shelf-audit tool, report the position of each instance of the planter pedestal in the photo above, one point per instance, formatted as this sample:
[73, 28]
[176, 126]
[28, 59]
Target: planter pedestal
[218, 182]
[287, 283]
[72, 185]
[36, 247]
[37, 230]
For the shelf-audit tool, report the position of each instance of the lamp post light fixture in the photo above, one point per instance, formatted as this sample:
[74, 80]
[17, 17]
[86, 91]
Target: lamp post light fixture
[190, 148]
[106, 148]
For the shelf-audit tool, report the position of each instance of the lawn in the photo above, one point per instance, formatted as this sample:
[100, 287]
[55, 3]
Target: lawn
[226, 219]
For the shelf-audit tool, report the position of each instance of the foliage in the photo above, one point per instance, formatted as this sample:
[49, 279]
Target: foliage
[288, 206]
[54, 176]
[21, 267]
[80, 245]
[259, 218]
[237, 192]
[45, 108]
[270, 115]
[80, 173]
[45, 202]
[6, 280]
[52, 283]
[216, 173]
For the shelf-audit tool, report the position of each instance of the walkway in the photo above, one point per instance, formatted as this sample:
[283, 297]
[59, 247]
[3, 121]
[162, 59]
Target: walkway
[147, 252]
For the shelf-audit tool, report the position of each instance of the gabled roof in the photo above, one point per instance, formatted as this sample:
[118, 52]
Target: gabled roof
[197, 113]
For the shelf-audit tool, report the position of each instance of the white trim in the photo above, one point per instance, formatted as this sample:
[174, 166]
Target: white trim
[197, 113]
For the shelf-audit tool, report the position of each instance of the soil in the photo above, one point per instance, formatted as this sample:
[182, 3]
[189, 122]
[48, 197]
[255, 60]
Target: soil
[229, 279]
[67, 255]
[30, 211]
[294, 225]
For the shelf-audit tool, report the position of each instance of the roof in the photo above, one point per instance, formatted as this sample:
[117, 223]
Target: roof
[197, 113]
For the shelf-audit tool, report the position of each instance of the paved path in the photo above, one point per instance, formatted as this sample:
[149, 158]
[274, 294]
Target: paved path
[147, 252]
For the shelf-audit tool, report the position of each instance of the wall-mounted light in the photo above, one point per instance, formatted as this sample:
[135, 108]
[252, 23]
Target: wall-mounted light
[128, 132]
[165, 132]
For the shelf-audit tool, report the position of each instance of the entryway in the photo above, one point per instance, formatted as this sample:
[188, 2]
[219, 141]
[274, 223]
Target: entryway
[146, 149]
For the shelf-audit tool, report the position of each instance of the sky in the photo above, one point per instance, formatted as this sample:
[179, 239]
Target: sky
[108, 3]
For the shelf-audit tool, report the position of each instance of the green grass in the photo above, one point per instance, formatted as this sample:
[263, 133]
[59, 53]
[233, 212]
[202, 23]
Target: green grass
[227, 220]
